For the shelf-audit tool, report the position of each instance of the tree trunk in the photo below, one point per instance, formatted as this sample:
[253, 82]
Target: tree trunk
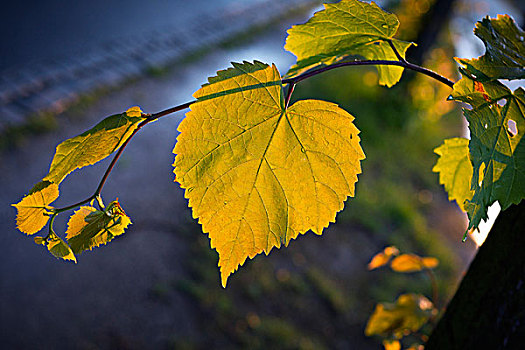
[488, 309]
[431, 25]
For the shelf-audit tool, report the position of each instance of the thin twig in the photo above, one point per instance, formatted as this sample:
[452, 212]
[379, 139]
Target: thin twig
[171, 110]
[435, 290]
[291, 81]
[291, 87]
[398, 55]
[404, 64]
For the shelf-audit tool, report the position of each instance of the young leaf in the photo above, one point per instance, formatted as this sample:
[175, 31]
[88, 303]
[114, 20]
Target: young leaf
[59, 248]
[33, 209]
[94, 144]
[382, 258]
[407, 263]
[497, 151]
[408, 314]
[391, 344]
[256, 174]
[455, 169]
[89, 228]
[505, 50]
[350, 27]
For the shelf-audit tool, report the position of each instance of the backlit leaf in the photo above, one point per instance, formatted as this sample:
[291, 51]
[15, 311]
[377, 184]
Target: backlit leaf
[408, 314]
[391, 344]
[455, 169]
[349, 27]
[257, 175]
[407, 263]
[59, 248]
[89, 228]
[504, 57]
[382, 258]
[94, 144]
[496, 124]
[34, 208]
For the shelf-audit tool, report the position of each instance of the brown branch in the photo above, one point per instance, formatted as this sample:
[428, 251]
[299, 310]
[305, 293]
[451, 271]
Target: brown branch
[291, 81]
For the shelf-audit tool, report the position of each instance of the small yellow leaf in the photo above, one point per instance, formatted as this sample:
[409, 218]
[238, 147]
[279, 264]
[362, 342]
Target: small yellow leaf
[392, 344]
[406, 315]
[34, 208]
[256, 174]
[430, 262]
[77, 221]
[412, 263]
[455, 170]
[134, 112]
[89, 228]
[382, 258]
[93, 145]
[59, 248]
[39, 240]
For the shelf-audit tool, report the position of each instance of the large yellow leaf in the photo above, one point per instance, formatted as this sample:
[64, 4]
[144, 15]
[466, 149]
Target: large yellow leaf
[93, 145]
[34, 208]
[257, 175]
[455, 169]
[89, 228]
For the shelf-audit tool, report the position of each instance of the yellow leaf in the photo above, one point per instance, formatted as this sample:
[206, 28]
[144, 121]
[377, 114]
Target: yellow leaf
[455, 169]
[93, 145]
[59, 248]
[382, 258]
[392, 344]
[257, 175]
[33, 209]
[77, 221]
[89, 228]
[406, 315]
[411, 263]
[430, 262]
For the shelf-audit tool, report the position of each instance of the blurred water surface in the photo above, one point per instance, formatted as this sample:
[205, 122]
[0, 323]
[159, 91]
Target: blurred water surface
[32, 30]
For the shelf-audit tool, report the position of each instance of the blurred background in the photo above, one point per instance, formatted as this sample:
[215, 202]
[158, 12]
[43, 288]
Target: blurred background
[66, 65]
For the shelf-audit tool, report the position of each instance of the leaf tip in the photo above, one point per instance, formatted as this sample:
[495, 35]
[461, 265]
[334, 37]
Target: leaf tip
[134, 112]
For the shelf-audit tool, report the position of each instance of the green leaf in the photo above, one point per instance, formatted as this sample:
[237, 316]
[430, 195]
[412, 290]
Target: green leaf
[349, 27]
[33, 210]
[256, 174]
[94, 144]
[496, 124]
[455, 169]
[89, 228]
[408, 314]
[59, 248]
[505, 50]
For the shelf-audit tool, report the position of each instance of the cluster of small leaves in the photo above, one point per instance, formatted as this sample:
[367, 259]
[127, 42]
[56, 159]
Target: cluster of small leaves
[410, 312]
[490, 166]
[88, 227]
